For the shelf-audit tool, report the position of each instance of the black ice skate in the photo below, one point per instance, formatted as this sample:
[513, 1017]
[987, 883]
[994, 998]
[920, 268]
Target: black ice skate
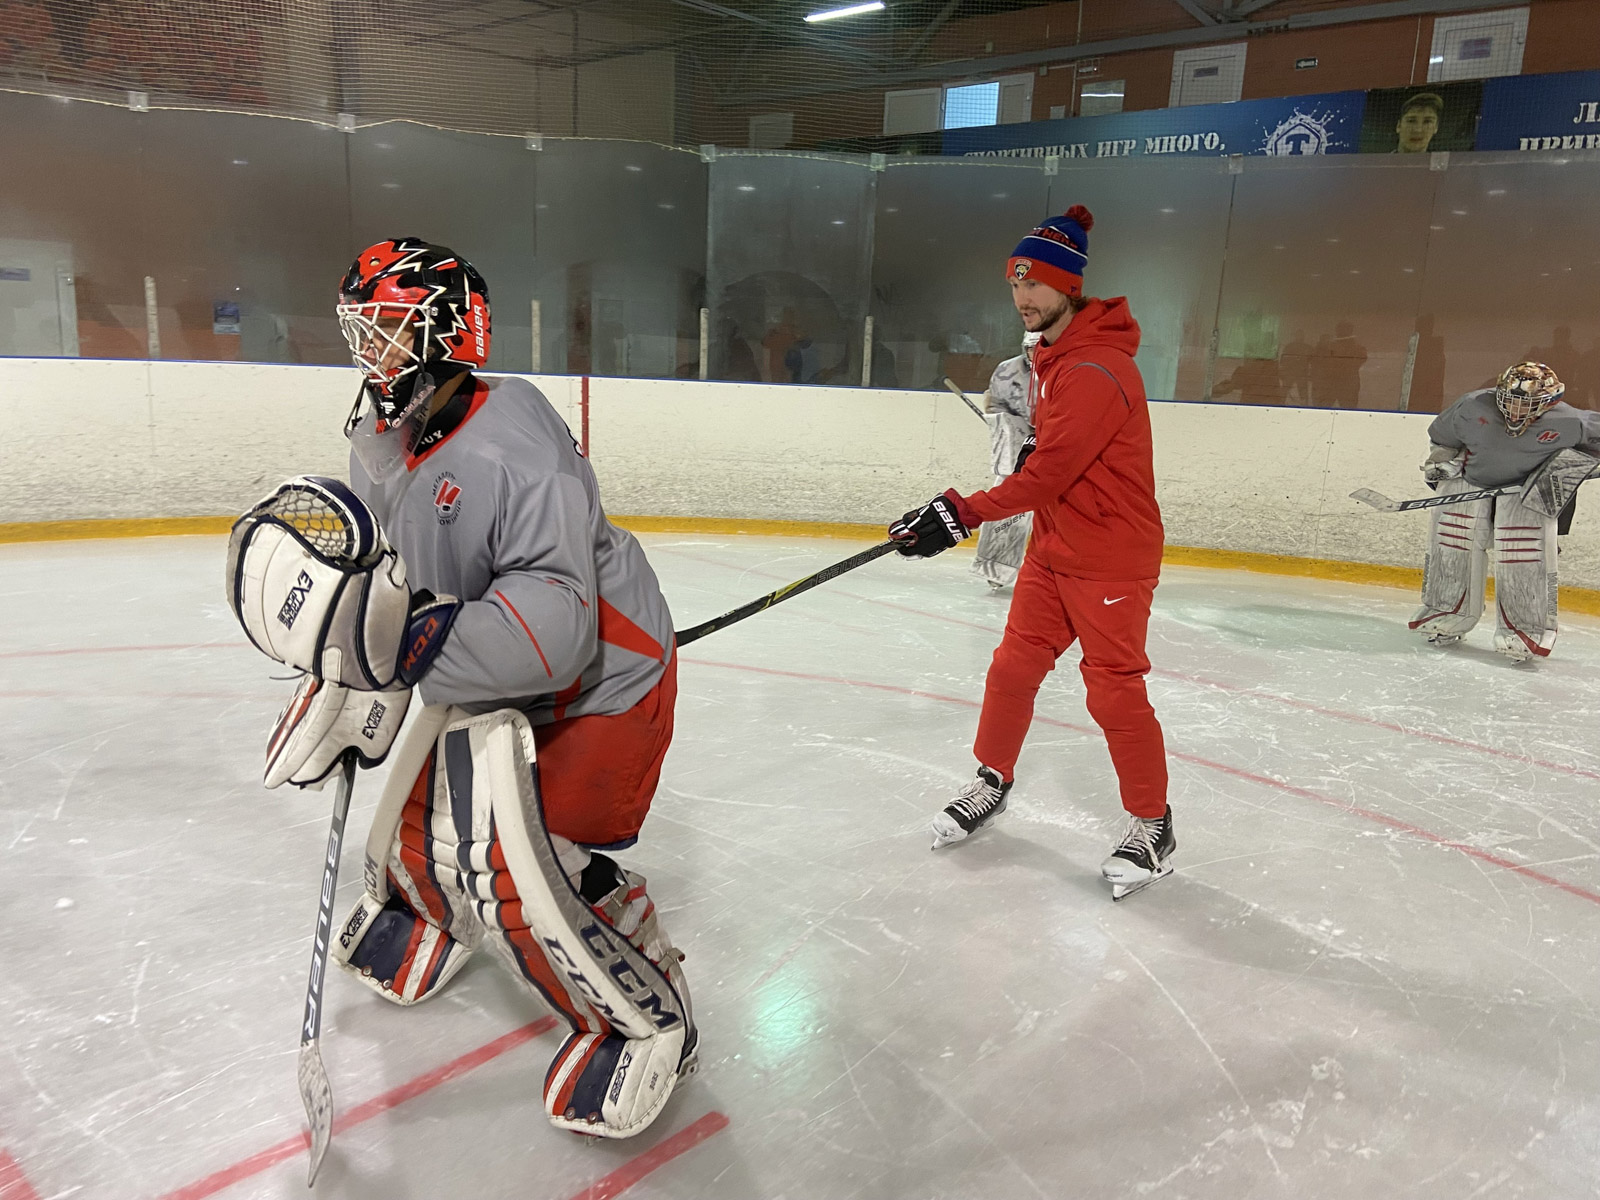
[982, 801]
[1141, 857]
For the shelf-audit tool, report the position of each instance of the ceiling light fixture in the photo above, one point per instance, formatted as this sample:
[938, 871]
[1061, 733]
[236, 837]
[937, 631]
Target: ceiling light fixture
[849, 10]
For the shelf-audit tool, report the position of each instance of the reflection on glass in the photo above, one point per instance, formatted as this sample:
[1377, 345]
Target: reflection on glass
[1374, 282]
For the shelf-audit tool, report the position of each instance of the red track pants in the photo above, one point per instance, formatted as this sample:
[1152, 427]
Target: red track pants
[1048, 613]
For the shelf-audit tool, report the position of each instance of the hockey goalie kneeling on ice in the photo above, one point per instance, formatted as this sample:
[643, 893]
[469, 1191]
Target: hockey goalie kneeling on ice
[1517, 432]
[538, 638]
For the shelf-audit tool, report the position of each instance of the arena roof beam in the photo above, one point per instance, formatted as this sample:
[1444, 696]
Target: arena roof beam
[932, 28]
[821, 41]
[1247, 7]
[1195, 11]
[1224, 31]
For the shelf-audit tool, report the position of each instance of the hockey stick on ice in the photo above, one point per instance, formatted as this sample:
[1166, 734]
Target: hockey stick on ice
[315, 1090]
[965, 399]
[686, 636]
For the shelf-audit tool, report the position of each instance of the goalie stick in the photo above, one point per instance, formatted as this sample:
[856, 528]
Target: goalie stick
[965, 399]
[1383, 504]
[1556, 479]
[684, 637]
[315, 1090]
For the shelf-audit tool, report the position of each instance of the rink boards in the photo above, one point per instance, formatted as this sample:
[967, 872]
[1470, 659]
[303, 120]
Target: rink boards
[132, 440]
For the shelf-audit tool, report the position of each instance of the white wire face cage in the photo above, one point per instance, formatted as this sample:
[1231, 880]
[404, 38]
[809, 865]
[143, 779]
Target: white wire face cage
[375, 332]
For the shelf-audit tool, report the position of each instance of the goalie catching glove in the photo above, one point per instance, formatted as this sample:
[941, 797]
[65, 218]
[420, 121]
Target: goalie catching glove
[321, 721]
[316, 586]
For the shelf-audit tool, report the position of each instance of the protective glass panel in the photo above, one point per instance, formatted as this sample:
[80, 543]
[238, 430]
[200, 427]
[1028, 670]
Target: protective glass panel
[943, 231]
[245, 234]
[789, 268]
[72, 233]
[1160, 229]
[470, 192]
[1513, 272]
[1320, 295]
[620, 270]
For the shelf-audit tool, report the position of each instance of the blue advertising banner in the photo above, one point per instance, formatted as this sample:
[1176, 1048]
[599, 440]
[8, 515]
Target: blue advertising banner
[1541, 112]
[1322, 124]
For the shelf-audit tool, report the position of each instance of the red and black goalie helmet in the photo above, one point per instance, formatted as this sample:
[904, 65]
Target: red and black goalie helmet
[414, 315]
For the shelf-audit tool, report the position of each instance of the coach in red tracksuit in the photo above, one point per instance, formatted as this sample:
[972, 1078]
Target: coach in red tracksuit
[1092, 566]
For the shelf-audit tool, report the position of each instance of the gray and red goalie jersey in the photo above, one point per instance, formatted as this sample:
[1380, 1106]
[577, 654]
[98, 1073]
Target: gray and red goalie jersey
[1495, 458]
[563, 614]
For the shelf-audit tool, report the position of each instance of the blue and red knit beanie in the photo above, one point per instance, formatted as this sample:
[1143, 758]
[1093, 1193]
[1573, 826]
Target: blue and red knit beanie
[1056, 252]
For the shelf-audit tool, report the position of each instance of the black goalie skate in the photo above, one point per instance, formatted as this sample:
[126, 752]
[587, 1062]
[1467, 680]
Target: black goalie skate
[1142, 856]
[982, 801]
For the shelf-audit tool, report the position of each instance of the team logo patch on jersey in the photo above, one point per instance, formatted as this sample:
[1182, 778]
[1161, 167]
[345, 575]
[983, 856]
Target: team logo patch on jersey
[1549, 435]
[1021, 268]
[446, 498]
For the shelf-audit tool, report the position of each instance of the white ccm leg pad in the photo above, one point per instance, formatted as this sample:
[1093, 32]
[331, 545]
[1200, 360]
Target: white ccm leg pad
[406, 939]
[633, 1033]
[1525, 588]
[1456, 569]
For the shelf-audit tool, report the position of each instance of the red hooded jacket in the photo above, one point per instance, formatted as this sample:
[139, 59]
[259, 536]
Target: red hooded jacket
[1090, 482]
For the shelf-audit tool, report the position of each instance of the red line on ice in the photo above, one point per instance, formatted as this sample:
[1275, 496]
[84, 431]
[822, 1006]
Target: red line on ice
[635, 1169]
[124, 649]
[14, 1184]
[1237, 772]
[1256, 693]
[393, 1098]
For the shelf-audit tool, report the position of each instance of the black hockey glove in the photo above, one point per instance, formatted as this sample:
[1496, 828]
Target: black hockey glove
[1028, 448]
[931, 529]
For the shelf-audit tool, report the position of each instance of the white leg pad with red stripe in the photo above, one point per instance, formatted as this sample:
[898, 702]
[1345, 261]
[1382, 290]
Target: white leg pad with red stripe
[1524, 580]
[1456, 569]
[633, 1032]
[393, 941]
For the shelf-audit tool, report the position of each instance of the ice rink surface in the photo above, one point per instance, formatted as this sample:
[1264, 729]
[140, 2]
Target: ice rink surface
[1373, 974]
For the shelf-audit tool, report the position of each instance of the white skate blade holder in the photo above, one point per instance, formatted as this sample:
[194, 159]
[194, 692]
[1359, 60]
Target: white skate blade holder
[946, 832]
[1121, 889]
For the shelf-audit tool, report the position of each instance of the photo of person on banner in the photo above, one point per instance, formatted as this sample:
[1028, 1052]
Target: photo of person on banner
[1423, 119]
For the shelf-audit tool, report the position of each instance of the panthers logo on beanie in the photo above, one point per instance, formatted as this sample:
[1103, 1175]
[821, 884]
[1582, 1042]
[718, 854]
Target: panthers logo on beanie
[1055, 252]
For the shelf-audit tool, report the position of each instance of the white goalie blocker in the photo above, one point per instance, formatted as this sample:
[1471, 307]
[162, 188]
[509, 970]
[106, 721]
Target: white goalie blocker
[459, 855]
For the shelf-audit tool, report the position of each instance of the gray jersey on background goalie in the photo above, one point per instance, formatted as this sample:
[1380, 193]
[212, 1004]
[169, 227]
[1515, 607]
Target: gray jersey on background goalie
[1494, 458]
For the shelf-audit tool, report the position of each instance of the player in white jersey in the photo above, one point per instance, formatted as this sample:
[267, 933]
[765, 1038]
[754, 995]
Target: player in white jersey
[1493, 438]
[539, 640]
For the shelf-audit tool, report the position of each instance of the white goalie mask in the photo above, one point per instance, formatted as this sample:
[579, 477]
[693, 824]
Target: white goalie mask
[415, 315]
[1525, 391]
